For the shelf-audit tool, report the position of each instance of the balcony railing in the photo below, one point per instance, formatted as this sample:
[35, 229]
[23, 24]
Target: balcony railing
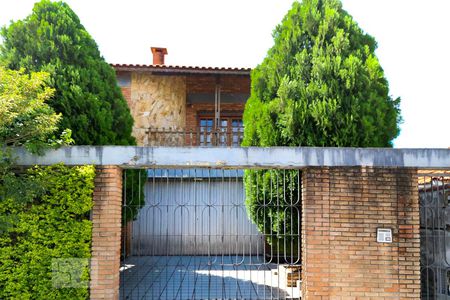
[200, 136]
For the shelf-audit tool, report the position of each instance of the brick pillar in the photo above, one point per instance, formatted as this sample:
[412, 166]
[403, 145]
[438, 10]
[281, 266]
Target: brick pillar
[106, 233]
[408, 234]
[342, 209]
[315, 233]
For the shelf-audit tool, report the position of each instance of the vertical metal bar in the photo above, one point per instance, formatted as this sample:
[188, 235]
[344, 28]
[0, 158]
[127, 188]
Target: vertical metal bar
[209, 234]
[271, 202]
[261, 264]
[219, 92]
[137, 205]
[215, 103]
[195, 231]
[197, 136]
[138, 234]
[195, 227]
[124, 213]
[277, 186]
[182, 202]
[168, 201]
[222, 218]
[292, 232]
[284, 210]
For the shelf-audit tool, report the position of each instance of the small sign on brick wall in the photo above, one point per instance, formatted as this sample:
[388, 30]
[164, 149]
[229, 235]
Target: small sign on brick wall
[384, 235]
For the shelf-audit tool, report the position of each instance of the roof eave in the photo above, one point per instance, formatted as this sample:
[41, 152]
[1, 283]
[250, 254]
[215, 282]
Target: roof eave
[182, 70]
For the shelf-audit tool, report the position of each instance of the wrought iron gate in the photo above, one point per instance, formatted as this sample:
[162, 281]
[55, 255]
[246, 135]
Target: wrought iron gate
[434, 195]
[194, 238]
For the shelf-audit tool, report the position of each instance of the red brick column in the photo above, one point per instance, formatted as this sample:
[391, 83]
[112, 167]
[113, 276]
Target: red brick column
[408, 234]
[106, 233]
[342, 209]
[315, 233]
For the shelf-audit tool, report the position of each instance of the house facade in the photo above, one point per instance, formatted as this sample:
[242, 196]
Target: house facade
[195, 221]
[189, 106]
[184, 105]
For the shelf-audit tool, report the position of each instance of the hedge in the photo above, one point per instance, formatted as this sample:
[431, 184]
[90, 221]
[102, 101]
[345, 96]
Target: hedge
[53, 224]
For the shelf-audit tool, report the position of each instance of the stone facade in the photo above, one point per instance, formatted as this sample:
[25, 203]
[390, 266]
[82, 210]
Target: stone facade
[157, 102]
[160, 108]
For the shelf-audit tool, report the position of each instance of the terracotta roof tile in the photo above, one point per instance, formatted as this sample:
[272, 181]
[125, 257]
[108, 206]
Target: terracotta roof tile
[182, 69]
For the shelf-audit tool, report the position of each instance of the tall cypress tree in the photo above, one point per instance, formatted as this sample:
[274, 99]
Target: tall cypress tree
[52, 39]
[320, 84]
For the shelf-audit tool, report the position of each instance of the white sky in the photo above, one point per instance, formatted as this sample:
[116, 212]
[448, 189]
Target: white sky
[413, 44]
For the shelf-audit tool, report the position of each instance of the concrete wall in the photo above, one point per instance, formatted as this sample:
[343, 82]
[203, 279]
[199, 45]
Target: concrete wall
[237, 158]
[156, 101]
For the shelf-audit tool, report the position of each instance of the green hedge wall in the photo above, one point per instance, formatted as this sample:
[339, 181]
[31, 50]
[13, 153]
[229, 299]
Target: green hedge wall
[52, 224]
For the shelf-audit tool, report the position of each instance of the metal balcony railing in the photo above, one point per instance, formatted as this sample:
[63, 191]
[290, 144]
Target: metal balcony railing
[200, 136]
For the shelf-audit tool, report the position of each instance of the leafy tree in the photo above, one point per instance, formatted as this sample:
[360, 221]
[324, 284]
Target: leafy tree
[52, 39]
[25, 117]
[25, 120]
[320, 84]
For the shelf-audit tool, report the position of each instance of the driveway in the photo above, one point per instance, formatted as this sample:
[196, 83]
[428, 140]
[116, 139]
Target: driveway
[203, 277]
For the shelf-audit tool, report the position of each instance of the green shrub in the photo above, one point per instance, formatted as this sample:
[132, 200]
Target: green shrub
[134, 182]
[52, 224]
[273, 202]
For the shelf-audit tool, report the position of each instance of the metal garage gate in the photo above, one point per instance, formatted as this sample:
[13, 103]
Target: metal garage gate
[193, 238]
[195, 212]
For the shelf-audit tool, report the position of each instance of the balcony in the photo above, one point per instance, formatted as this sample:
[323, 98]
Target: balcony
[204, 136]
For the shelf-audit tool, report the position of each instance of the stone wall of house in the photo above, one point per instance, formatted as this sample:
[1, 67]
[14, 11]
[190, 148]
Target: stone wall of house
[156, 102]
[159, 106]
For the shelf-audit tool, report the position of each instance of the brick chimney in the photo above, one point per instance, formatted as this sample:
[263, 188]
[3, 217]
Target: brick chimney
[158, 55]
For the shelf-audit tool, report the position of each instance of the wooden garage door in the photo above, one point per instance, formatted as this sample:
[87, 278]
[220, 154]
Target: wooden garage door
[200, 216]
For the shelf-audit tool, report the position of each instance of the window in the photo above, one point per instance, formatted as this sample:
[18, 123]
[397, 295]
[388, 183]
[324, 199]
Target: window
[229, 133]
[237, 127]
[206, 127]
